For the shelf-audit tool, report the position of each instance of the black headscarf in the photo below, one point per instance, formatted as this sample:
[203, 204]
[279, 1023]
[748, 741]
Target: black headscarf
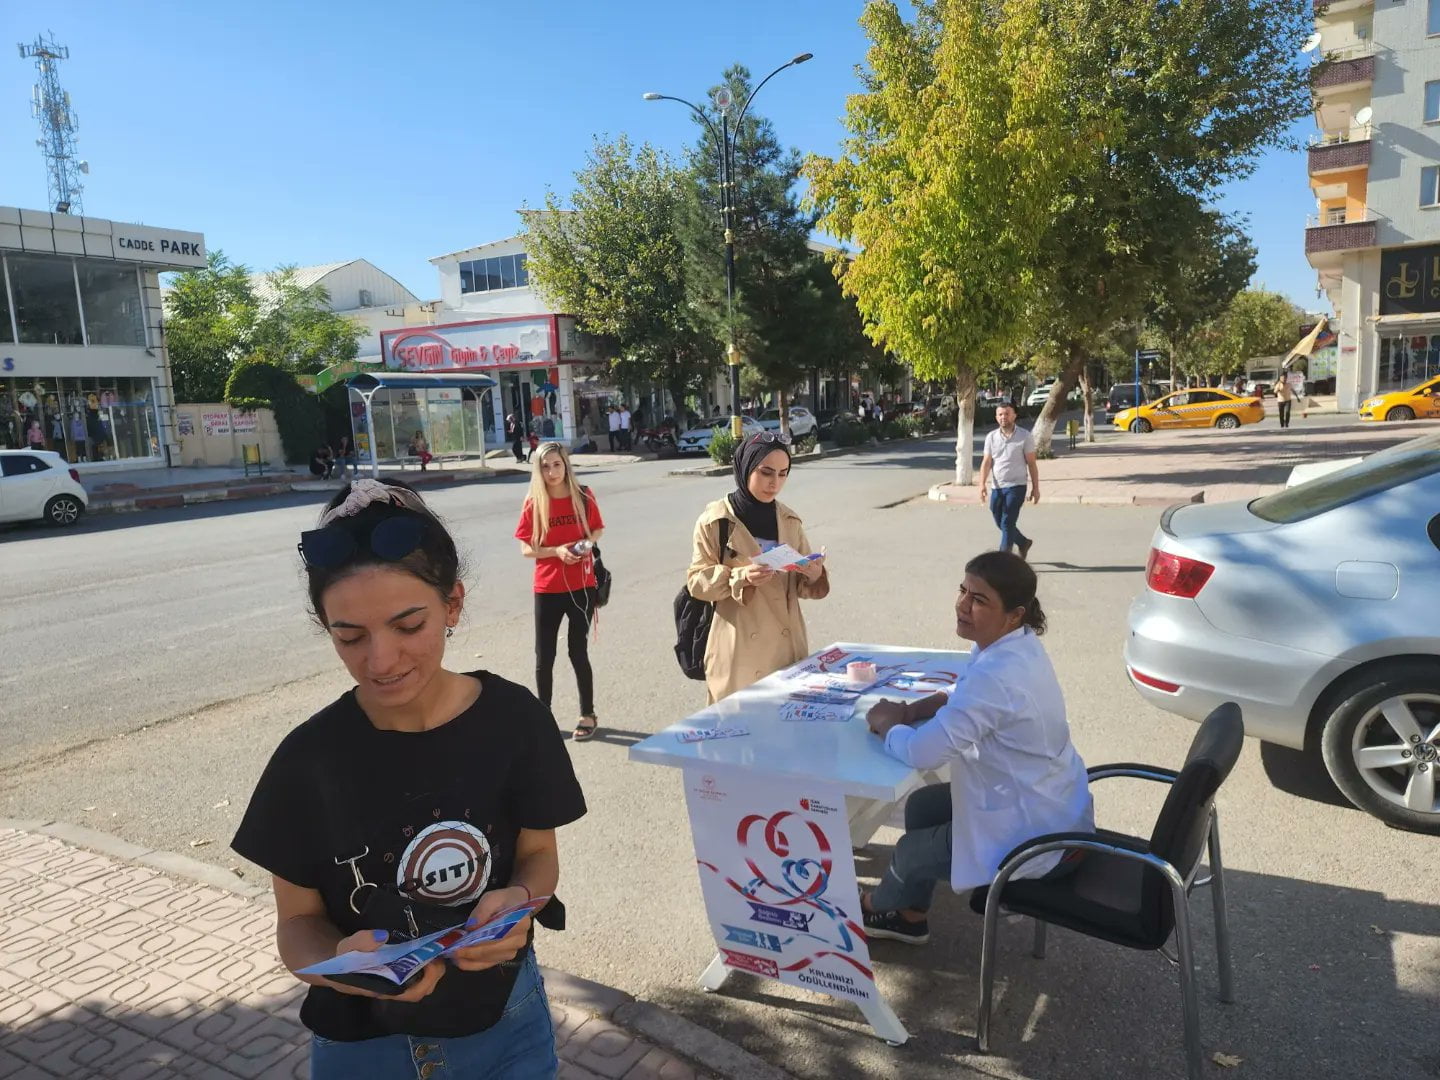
[759, 517]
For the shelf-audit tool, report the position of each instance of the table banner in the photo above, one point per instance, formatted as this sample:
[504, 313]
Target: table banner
[778, 878]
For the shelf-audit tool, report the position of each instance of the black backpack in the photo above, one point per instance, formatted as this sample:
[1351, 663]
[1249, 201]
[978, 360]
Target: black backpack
[692, 621]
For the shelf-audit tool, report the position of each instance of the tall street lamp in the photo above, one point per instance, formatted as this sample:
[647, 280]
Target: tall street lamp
[725, 137]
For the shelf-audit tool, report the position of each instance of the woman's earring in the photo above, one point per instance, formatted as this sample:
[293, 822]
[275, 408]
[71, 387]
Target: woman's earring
[449, 631]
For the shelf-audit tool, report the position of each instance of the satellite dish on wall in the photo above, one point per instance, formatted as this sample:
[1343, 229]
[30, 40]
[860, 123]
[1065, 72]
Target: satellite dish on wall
[1363, 116]
[1311, 43]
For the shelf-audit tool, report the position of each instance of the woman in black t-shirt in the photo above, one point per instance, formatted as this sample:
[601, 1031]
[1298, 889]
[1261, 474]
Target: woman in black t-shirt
[420, 799]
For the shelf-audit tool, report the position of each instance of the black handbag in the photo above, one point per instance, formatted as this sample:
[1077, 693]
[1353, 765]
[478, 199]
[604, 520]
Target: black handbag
[602, 581]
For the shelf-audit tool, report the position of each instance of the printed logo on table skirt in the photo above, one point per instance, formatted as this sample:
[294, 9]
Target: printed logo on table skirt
[756, 964]
[815, 806]
[448, 863]
[756, 939]
[774, 916]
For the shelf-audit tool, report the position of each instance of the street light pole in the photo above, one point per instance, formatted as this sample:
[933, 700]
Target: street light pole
[725, 142]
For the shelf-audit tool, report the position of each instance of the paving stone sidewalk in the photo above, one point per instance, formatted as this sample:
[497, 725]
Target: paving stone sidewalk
[114, 970]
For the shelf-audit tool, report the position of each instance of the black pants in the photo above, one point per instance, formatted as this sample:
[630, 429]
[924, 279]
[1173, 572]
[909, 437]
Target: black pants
[613, 434]
[515, 448]
[1285, 413]
[550, 608]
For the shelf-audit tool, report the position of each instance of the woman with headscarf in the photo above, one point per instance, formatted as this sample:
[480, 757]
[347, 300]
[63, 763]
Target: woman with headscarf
[758, 627]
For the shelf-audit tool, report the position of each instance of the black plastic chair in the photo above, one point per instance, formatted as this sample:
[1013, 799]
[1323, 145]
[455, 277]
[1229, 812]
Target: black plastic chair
[1126, 890]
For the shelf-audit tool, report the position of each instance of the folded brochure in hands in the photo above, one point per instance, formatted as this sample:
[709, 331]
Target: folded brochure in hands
[783, 557]
[400, 961]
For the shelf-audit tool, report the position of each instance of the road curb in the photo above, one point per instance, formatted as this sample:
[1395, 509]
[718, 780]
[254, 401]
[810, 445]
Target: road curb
[665, 1029]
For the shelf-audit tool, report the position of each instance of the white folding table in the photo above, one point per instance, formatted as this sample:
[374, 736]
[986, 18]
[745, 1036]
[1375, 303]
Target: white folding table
[789, 755]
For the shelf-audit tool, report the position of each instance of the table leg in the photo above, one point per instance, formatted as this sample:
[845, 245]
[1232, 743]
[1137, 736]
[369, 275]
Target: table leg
[884, 1022]
[866, 817]
[714, 976]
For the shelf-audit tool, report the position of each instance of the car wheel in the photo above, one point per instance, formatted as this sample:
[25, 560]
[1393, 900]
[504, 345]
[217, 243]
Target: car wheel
[1400, 412]
[64, 510]
[1140, 426]
[1229, 421]
[1382, 747]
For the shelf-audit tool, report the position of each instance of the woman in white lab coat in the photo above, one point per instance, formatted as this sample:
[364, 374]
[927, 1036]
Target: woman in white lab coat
[1014, 772]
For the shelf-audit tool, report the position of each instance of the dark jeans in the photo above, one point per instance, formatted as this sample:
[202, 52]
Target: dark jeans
[516, 447]
[550, 609]
[613, 435]
[1285, 407]
[922, 855]
[1005, 504]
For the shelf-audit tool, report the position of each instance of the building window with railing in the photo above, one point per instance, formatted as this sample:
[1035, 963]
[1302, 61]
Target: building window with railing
[1430, 185]
[499, 272]
[1334, 215]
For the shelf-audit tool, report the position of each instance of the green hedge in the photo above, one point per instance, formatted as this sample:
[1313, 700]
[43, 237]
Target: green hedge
[299, 416]
[722, 447]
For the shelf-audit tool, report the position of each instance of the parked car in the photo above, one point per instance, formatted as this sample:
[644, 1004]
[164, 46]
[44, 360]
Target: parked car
[1192, 408]
[1127, 396]
[1041, 394]
[39, 485]
[1422, 400]
[830, 421]
[1261, 381]
[697, 439]
[802, 421]
[1313, 609]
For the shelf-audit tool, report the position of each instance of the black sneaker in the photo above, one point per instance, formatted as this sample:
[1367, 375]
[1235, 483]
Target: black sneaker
[895, 927]
[1025, 549]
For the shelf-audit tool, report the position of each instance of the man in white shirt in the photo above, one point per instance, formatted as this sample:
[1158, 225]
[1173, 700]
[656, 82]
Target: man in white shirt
[1009, 461]
[614, 426]
[624, 427]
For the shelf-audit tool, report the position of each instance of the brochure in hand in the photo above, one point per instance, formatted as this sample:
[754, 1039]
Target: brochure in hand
[390, 967]
[783, 557]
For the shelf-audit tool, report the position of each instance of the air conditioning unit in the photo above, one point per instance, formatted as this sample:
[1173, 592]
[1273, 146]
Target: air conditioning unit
[367, 299]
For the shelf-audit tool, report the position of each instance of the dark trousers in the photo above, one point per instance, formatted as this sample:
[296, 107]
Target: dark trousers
[1005, 504]
[922, 855]
[1285, 413]
[550, 609]
[613, 434]
[516, 448]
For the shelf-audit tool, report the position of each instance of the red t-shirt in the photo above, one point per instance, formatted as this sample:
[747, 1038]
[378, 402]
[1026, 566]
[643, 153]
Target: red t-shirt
[553, 575]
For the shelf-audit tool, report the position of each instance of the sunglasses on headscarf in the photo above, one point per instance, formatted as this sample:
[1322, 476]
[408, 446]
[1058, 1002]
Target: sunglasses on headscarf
[390, 540]
[765, 437]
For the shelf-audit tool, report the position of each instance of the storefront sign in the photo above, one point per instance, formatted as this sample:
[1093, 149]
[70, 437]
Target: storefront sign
[215, 423]
[779, 881]
[7, 363]
[1410, 280]
[159, 247]
[461, 346]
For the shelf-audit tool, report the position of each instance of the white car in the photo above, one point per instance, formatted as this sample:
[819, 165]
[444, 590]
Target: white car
[802, 421]
[1040, 395]
[697, 439]
[39, 485]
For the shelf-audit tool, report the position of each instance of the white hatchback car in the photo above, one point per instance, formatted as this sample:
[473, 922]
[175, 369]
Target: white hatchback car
[802, 421]
[39, 485]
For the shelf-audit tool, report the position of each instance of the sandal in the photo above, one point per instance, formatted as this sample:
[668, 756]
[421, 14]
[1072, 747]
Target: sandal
[585, 729]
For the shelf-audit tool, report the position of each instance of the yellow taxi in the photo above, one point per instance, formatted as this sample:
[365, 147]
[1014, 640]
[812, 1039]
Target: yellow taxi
[1422, 400]
[1198, 407]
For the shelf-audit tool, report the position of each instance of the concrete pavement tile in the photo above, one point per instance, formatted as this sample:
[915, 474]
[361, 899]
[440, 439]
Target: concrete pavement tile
[131, 993]
[26, 891]
[278, 994]
[14, 1068]
[658, 1065]
[59, 958]
[89, 976]
[219, 1024]
[139, 885]
[257, 1049]
[180, 902]
[566, 1020]
[28, 1009]
[151, 942]
[164, 1010]
[19, 941]
[570, 1071]
[87, 919]
[152, 1061]
[605, 1049]
[235, 971]
[69, 866]
[72, 1041]
[125, 879]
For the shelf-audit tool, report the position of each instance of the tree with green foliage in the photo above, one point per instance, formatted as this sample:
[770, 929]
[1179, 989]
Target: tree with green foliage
[1171, 101]
[209, 317]
[947, 184]
[1256, 323]
[295, 328]
[614, 260]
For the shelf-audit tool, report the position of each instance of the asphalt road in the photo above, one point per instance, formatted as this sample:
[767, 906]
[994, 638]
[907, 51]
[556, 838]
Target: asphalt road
[153, 661]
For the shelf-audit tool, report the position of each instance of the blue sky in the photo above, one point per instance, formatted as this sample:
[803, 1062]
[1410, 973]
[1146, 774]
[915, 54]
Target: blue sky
[323, 131]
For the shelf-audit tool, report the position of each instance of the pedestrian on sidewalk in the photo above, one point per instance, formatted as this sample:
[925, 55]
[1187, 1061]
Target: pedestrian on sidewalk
[422, 794]
[559, 525]
[1009, 461]
[614, 420]
[345, 457]
[322, 462]
[1284, 399]
[757, 626]
[515, 436]
[625, 419]
[1015, 773]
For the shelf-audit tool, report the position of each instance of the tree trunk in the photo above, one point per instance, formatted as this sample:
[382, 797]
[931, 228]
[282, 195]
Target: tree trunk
[782, 400]
[1087, 399]
[1044, 430]
[965, 427]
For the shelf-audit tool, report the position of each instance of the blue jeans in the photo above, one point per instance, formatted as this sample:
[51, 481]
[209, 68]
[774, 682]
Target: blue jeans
[1005, 504]
[520, 1047]
[922, 855]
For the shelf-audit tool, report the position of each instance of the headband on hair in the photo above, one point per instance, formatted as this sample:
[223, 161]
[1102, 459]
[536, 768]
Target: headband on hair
[365, 492]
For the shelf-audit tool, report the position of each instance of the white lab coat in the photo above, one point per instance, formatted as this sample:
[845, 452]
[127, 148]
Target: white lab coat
[1014, 774]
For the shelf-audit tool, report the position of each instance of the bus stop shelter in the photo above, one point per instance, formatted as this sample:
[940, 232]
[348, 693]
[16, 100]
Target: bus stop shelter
[424, 406]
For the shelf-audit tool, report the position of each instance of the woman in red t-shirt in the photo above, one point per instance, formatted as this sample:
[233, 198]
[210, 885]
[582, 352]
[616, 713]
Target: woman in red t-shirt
[564, 572]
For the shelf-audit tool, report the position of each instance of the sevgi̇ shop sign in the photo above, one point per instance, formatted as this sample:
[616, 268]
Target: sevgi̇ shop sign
[779, 900]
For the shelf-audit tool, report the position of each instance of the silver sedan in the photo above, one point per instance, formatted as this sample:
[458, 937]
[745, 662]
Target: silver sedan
[1317, 609]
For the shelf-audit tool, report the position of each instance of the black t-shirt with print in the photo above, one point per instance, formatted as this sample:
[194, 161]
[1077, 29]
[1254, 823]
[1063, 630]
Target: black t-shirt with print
[440, 812]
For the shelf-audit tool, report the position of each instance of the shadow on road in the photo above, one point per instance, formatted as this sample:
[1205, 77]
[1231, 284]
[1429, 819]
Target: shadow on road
[1302, 774]
[1072, 568]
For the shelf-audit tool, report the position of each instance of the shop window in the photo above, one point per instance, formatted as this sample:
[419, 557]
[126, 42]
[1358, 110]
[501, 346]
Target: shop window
[47, 311]
[110, 294]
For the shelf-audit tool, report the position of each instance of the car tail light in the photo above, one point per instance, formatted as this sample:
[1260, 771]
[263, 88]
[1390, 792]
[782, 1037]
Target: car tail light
[1152, 681]
[75, 475]
[1175, 575]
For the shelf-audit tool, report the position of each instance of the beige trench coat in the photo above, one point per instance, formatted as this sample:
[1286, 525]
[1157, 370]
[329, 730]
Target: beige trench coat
[757, 629]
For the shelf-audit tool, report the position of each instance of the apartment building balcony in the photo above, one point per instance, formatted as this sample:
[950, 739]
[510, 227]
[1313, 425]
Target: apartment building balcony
[1344, 69]
[1329, 235]
[1339, 151]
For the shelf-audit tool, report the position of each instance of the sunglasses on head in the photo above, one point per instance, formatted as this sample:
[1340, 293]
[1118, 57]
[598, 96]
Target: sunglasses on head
[771, 437]
[390, 540]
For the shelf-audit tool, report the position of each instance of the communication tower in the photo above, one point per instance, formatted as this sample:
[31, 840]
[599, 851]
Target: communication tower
[50, 104]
